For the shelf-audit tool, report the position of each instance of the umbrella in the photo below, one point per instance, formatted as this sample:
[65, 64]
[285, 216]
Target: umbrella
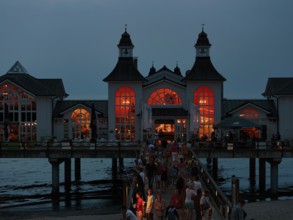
[236, 123]
[93, 124]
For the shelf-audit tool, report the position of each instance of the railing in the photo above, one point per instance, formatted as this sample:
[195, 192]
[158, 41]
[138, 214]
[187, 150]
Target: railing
[220, 201]
[107, 149]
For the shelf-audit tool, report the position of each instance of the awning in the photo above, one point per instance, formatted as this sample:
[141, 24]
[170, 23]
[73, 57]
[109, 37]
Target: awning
[236, 123]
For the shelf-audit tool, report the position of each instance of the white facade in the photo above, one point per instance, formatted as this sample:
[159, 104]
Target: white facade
[285, 108]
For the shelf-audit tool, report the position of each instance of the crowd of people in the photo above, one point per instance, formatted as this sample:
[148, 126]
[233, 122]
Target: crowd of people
[159, 171]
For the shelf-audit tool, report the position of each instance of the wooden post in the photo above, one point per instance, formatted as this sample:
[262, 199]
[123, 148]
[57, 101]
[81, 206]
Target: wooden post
[252, 171]
[67, 175]
[262, 175]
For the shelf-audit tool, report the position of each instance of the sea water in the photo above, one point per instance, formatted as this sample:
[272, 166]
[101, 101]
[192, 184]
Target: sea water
[26, 183]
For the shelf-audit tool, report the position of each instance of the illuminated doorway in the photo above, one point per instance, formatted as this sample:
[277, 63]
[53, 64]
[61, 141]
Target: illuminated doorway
[169, 128]
[165, 128]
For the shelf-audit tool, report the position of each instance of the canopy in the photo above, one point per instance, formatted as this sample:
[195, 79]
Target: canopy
[236, 123]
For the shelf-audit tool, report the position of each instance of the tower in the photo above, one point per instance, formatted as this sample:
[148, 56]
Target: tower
[125, 93]
[204, 87]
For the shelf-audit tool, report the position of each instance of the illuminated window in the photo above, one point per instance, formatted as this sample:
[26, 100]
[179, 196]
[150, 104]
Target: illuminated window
[249, 113]
[164, 96]
[80, 123]
[19, 115]
[125, 114]
[204, 98]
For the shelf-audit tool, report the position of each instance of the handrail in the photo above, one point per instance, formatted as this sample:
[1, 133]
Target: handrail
[222, 204]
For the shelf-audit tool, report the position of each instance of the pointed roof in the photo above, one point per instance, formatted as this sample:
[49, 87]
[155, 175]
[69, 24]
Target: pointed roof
[279, 86]
[152, 70]
[17, 68]
[203, 70]
[18, 75]
[177, 71]
[125, 70]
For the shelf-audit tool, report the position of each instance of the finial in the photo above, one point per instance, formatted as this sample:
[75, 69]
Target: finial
[152, 63]
[202, 27]
[177, 63]
[125, 27]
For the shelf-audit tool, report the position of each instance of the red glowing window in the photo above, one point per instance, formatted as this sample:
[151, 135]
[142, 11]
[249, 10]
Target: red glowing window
[125, 113]
[164, 96]
[204, 99]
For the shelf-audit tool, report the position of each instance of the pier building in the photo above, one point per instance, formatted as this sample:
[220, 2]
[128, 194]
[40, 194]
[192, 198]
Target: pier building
[163, 104]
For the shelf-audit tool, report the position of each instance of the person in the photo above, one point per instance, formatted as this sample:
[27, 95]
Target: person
[196, 184]
[139, 206]
[205, 206]
[173, 174]
[128, 214]
[160, 205]
[151, 147]
[149, 205]
[197, 204]
[141, 173]
[181, 167]
[181, 193]
[189, 204]
[174, 152]
[171, 213]
[158, 174]
[150, 173]
[138, 185]
[164, 177]
[237, 211]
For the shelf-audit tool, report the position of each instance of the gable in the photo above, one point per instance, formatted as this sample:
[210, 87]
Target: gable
[266, 106]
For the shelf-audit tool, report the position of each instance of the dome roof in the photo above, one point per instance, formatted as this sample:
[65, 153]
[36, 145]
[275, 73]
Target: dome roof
[125, 40]
[202, 39]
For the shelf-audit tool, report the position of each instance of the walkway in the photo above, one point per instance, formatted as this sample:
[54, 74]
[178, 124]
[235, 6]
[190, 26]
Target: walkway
[166, 195]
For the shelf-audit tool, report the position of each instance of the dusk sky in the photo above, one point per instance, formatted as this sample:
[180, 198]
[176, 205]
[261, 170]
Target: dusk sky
[76, 40]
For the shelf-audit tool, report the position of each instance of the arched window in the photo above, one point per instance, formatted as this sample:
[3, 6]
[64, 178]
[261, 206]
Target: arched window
[164, 96]
[249, 113]
[125, 114]
[204, 99]
[17, 114]
[80, 123]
